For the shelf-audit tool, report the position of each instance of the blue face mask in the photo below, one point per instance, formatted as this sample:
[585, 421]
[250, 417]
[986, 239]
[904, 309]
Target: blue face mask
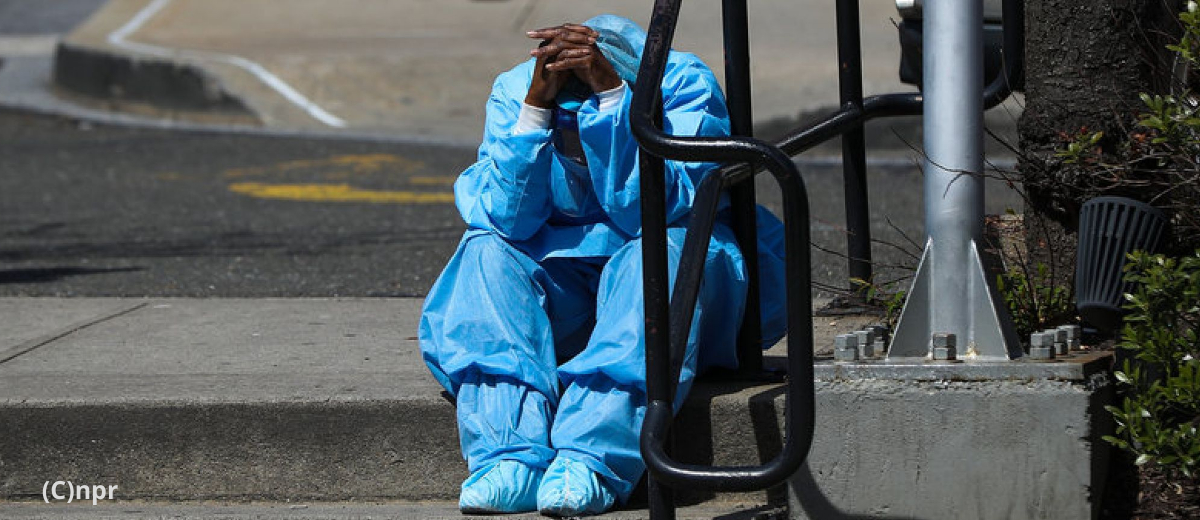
[566, 119]
[566, 135]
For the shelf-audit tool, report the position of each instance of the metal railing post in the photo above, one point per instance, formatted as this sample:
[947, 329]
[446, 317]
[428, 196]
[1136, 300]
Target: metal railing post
[854, 154]
[736, 25]
[656, 296]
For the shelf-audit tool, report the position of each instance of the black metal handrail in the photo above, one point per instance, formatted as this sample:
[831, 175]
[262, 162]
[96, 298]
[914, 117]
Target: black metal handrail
[645, 120]
[668, 320]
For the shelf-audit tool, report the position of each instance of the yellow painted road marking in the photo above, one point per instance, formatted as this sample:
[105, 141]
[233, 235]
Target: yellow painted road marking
[443, 180]
[337, 193]
[346, 164]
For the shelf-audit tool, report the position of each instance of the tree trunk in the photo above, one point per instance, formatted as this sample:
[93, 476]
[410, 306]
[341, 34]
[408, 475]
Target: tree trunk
[1086, 62]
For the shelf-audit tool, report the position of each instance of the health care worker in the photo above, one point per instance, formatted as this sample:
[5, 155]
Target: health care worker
[536, 325]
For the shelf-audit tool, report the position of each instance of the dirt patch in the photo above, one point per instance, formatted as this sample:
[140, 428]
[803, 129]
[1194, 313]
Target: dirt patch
[1165, 496]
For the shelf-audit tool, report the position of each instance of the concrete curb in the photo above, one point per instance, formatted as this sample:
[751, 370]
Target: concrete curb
[245, 451]
[396, 449]
[113, 76]
[445, 510]
[89, 62]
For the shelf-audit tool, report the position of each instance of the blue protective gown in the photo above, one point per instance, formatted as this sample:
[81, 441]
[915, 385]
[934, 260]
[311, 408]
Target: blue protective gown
[536, 324]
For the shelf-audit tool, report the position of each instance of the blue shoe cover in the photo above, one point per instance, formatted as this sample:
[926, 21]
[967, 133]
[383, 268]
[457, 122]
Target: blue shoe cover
[506, 487]
[571, 489]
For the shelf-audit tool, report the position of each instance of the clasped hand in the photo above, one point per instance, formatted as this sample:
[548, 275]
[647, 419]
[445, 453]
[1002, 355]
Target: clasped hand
[568, 50]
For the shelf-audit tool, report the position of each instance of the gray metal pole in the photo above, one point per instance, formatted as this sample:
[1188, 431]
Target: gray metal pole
[953, 50]
[950, 293]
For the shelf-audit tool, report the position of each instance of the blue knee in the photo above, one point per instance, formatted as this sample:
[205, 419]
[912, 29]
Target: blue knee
[482, 314]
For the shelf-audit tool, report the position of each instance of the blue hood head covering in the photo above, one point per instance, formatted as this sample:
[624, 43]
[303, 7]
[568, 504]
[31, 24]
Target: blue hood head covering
[621, 41]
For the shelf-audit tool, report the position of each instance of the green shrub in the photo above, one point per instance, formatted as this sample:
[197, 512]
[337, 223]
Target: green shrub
[888, 297]
[1158, 418]
[1035, 301]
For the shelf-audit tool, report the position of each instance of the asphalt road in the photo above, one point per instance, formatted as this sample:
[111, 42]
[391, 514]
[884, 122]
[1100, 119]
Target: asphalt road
[92, 211]
[105, 211]
[24, 17]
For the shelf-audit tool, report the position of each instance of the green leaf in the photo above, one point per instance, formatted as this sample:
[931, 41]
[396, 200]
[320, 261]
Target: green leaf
[1116, 442]
[1143, 459]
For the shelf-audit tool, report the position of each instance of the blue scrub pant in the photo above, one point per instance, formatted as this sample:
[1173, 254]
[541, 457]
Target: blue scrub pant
[547, 358]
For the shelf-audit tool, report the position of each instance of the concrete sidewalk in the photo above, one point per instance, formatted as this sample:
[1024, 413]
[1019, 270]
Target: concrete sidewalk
[421, 510]
[414, 67]
[269, 399]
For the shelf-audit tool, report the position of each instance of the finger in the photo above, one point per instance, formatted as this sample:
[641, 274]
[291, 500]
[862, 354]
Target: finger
[569, 64]
[574, 33]
[578, 37]
[581, 29]
[554, 47]
[548, 49]
[575, 52]
[570, 38]
[545, 33]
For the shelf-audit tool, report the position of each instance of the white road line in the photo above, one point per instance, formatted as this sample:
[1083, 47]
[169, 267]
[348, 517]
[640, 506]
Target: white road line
[118, 39]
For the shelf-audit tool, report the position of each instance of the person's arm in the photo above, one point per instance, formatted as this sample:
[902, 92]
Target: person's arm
[507, 190]
[693, 105]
